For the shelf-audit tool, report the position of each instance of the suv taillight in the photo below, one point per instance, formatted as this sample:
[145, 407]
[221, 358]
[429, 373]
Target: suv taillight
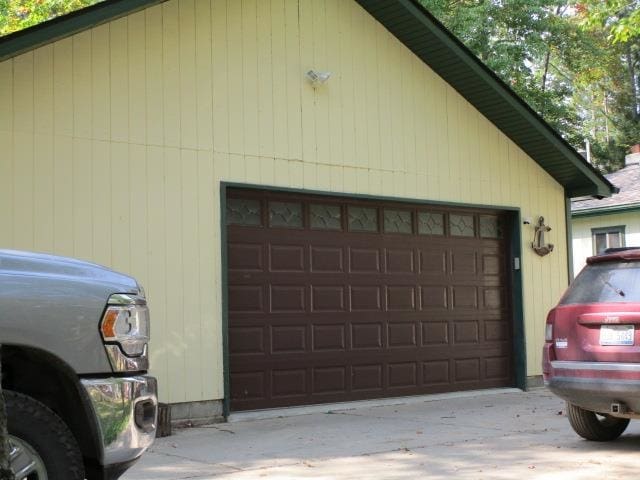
[548, 330]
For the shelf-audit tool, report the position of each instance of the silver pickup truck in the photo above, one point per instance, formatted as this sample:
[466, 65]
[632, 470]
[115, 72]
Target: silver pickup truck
[74, 339]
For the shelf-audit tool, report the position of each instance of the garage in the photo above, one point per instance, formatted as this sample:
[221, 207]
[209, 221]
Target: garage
[336, 299]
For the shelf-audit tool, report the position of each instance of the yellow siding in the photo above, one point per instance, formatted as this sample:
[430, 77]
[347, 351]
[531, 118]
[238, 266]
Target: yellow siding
[582, 238]
[115, 142]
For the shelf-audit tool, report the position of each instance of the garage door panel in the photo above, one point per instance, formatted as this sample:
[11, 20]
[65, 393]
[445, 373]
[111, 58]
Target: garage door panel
[332, 299]
[497, 367]
[366, 336]
[367, 378]
[287, 258]
[463, 262]
[329, 380]
[435, 333]
[246, 299]
[400, 298]
[365, 298]
[464, 297]
[329, 337]
[435, 372]
[289, 383]
[402, 375]
[245, 257]
[434, 297]
[402, 335]
[247, 340]
[433, 262]
[327, 259]
[364, 260]
[288, 339]
[399, 260]
[494, 298]
[327, 298]
[466, 370]
[248, 386]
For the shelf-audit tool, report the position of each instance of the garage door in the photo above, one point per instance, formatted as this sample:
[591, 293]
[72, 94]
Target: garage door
[334, 299]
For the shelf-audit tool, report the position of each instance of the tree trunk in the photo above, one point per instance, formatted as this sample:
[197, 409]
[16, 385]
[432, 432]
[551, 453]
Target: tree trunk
[5, 470]
[632, 80]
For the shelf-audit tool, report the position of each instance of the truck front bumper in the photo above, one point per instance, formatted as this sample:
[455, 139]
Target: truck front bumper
[127, 412]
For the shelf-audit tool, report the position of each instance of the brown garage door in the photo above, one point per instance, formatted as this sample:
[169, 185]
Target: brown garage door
[334, 299]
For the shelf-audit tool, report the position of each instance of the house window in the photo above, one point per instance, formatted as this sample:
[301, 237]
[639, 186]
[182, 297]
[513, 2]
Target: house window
[608, 237]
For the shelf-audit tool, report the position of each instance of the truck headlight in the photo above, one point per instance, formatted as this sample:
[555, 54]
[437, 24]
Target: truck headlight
[126, 322]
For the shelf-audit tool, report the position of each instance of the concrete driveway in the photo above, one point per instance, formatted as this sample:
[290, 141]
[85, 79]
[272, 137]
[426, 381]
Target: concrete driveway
[498, 434]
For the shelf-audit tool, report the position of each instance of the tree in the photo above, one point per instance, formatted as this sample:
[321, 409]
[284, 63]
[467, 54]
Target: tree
[19, 14]
[574, 63]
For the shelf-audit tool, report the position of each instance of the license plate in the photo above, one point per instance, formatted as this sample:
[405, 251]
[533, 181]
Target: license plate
[616, 334]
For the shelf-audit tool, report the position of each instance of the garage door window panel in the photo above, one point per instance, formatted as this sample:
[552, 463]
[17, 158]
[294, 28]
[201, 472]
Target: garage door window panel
[398, 221]
[363, 219]
[244, 211]
[461, 225]
[325, 217]
[490, 226]
[285, 214]
[430, 223]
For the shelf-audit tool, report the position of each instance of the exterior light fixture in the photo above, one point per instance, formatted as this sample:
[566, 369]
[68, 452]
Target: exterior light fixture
[317, 78]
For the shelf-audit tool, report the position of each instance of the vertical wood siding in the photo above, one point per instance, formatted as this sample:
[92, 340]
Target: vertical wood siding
[583, 240]
[115, 141]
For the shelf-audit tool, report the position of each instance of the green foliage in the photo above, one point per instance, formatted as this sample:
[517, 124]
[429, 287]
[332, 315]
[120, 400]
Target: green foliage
[19, 14]
[574, 63]
[620, 17]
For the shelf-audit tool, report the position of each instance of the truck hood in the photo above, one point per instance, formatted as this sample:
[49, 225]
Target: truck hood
[40, 264]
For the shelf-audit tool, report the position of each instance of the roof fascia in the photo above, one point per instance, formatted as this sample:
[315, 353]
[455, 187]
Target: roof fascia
[594, 212]
[66, 25]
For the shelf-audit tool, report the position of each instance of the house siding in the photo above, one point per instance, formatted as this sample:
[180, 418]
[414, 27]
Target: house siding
[115, 141]
[582, 237]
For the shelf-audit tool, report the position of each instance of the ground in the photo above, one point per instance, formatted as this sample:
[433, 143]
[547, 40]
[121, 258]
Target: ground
[494, 435]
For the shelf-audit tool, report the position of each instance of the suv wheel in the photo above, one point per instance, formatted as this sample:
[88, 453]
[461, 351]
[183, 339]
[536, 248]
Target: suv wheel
[595, 426]
[42, 446]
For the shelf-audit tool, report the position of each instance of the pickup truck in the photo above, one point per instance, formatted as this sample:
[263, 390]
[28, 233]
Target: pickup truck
[74, 339]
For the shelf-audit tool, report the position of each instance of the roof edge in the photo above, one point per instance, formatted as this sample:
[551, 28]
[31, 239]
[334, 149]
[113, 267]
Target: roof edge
[592, 212]
[604, 187]
[64, 26]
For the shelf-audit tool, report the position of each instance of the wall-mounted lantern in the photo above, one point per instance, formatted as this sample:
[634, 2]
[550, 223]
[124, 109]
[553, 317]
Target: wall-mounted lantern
[539, 246]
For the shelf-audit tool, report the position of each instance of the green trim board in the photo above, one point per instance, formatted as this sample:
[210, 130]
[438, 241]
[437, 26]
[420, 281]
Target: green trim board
[428, 39]
[66, 25]
[517, 294]
[226, 401]
[595, 212]
[569, 239]
[517, 303]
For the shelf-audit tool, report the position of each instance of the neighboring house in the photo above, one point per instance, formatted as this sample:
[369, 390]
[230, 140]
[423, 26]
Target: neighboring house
[598, 224]
[300, 243]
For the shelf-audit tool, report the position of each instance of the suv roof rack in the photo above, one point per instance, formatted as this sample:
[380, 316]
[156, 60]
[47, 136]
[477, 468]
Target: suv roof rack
[618, 249]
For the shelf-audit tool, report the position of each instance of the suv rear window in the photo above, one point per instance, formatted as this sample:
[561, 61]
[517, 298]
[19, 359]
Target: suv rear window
[605, 282]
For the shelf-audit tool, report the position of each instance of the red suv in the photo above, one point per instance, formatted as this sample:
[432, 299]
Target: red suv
[591, 356]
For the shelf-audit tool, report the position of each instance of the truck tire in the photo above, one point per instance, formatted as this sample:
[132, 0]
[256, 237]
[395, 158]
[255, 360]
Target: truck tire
[594, 426]
[41, 436]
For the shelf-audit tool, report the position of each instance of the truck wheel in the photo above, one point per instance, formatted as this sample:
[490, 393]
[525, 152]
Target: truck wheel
[42, 446]
[595, 426]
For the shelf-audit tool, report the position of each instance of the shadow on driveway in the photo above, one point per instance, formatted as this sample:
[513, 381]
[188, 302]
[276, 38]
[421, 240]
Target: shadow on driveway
[503, 435]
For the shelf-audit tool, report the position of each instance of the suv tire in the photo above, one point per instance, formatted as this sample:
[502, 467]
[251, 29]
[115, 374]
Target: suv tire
[38, 428]
[593, 426]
